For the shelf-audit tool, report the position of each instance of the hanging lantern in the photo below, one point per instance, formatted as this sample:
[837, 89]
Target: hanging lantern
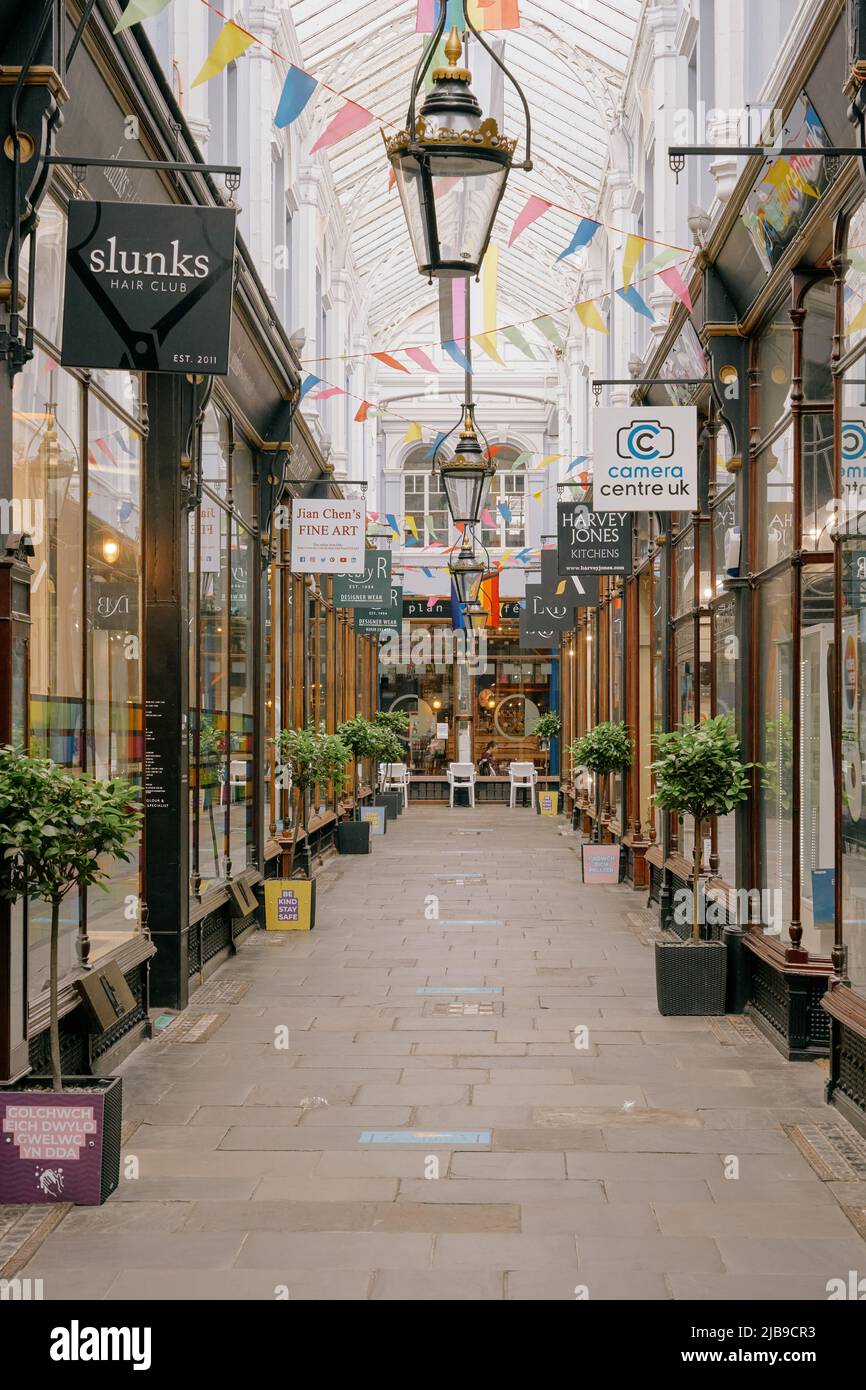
[466, 477]
[475, 615]
[467, 572]
[451, 166]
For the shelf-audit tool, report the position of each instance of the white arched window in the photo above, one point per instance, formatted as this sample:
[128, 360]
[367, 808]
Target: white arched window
[424, 500]
[503, 522]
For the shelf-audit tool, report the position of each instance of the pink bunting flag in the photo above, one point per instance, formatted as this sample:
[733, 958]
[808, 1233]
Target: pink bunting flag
[420, 358]
[677, 286]
[532, 210]
[328, 393]
[350, 118]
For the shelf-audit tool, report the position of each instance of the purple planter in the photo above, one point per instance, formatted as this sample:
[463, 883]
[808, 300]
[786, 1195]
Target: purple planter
[60, 1146]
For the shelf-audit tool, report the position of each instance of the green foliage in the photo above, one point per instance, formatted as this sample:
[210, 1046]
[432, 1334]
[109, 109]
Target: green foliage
[605, 749]
[548, 726]
[55, 824]
[698, 770]
[390, 749]
[315, 756]
[360, 736]
[394, 719]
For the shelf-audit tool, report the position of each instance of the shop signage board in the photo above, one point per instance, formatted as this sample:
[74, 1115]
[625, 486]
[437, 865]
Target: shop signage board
[51, 1147]
[328, 538]
[591, 542]
[646, 458]
[376, 815]
[548, 610]
[288, 904]
[538, 636]
[389, 618]
[114, 605]
[601, 863]
[853, 431]
[371, 588]
[548, 803]
[148, 287]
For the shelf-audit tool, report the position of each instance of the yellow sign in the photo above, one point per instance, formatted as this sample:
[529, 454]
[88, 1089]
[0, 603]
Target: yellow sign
[288, 904]
[548, 803]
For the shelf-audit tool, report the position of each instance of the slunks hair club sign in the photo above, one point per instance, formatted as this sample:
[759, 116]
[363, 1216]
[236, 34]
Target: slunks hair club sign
[148, 287]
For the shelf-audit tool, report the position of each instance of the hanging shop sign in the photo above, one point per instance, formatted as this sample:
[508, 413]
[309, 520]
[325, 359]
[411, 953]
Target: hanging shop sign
[789, 187]
[591, 542]
[328, 538]
[114, 605]
[148, 287]
[548, 610]
[646, 458]
[420, 607]
[371, 588]
[536, 635]
[389, 618]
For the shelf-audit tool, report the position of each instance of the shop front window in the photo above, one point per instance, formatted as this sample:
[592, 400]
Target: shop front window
[242, 700]
[853, 753]
[774, 520]
[815, 793]
[726, 665]
[776, 741]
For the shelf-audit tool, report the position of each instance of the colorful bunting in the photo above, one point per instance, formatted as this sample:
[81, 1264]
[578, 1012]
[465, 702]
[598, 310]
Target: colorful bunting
[392, 522]
[637, 302]
[427, 15]
[137, 10]
[457, 356]
[412, 527]
[661, 259]
[231, 42]
[413, 433]
[546, 326]
[363, 411]
[387, 360]
[590, 317]
[581, 458]
[858, 322]
[516, 338]
[677, 285]
[443, 434]
[328, 392]
[307, 385]
[533, 209]
[504, 511]
[420, 358]
[633, 250]
[549, 459]
[522, 458]
[586, 230]
[297, 90]
[487, 15]
[350, 118]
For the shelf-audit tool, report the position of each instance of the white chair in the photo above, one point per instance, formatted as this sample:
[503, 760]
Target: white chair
[395, 777]
[521, 775]
[461, 775]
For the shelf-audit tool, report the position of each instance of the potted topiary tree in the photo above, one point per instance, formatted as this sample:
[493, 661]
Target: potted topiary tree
[363, 740]
[57, 829]
[604, 749]
[310, 757]
[698, 772]
[548, 728]
[393, 727]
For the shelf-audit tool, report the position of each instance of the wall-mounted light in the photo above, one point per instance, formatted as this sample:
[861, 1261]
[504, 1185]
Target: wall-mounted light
[110, 550]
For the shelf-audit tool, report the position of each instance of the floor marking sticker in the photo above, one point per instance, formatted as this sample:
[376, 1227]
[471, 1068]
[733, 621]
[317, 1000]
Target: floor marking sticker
[459, 989]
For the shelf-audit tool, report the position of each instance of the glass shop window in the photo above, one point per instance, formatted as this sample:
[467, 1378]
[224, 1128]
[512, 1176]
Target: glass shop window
[774, 513]
[853, 761]
[725, 655]
[775, 368]
[816, 757]
[776, 741]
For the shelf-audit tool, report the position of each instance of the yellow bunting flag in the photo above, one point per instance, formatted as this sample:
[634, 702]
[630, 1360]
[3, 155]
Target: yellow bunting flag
[537, 495]
[413, 433]
[633, 247]
[858, 322]
[589, 316]
[489, 277]
[549, 459]
[411, 525]
[230, 44]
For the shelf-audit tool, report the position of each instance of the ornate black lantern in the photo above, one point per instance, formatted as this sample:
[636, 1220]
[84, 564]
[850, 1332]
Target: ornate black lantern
[475, 615]
[451, 164]
[467, 571]
[466, 476]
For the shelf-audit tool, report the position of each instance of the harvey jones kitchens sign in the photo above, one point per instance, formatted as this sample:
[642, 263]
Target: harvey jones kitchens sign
[148, 287]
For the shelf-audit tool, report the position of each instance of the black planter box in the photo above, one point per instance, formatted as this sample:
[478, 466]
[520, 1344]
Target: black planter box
[68, 1148]
[353, 836]
[393, 803]
[691, 977]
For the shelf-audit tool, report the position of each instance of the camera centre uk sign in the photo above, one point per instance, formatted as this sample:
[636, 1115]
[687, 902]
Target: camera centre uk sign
[328, 537]
[646, 458]
[592, 542]
[148, 287]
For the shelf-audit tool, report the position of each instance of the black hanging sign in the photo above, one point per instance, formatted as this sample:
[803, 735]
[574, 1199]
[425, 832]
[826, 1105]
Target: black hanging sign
[592, 542]
[148, 287]
[537, 635]
[548, 610]
[389, 618]
[369, 589]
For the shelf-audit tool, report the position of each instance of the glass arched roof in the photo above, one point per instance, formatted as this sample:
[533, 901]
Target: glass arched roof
[569, 56]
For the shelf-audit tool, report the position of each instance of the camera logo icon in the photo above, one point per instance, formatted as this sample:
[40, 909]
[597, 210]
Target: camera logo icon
[645, 440]
[853, 440]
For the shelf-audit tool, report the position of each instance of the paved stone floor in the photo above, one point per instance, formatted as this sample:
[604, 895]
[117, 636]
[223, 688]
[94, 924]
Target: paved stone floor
[605, 1166]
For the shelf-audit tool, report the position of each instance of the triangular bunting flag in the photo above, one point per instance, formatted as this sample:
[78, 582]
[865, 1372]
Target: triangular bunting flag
[549, 459]
[297, 90]
[350, 118]
[362, 412]
[586, 230]
[661, 259]
[328, 392]
[504, 511]
[413, 433]
[457, 356]
[589, 316]
[516, 338]
[307, 385]
[387, 360]
[633, 247]
[420, 358]
[677, 285]
[531, 211]
[231, 42]
[581, 458]
[487, 341]
[546, 326]
[443, 434]
[636, 301]
[137, 10]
